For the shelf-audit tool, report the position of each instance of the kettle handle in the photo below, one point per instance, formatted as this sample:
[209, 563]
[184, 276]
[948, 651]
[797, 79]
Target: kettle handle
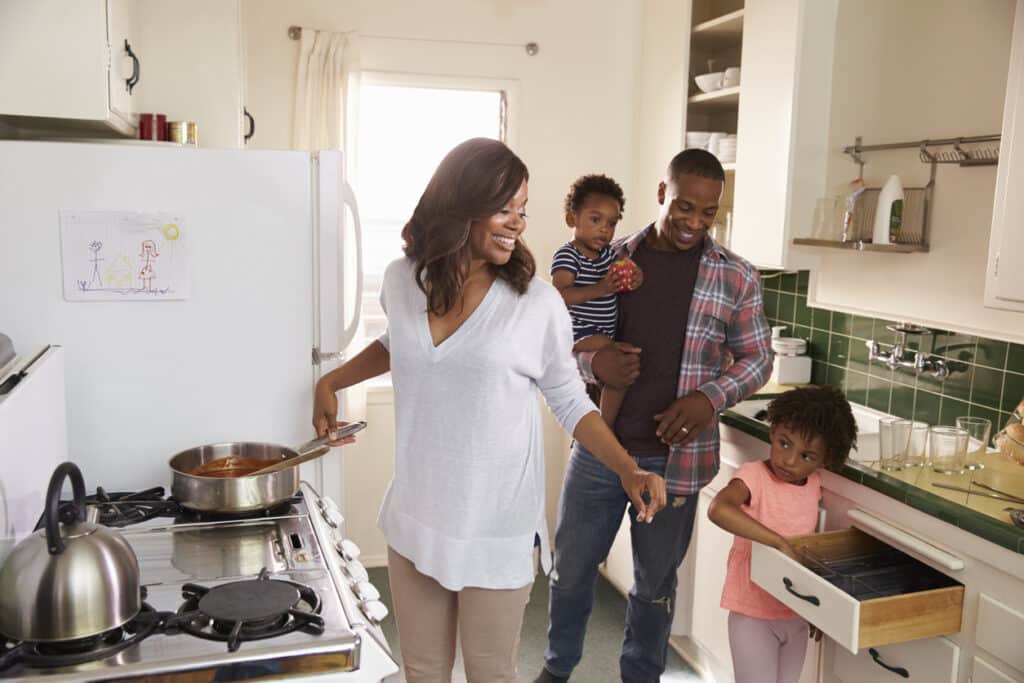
[52, 514]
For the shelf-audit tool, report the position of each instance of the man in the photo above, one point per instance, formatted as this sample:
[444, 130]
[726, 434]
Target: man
[693, 340]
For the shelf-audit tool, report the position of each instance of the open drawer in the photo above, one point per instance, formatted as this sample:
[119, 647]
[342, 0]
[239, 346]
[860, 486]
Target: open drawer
[860, 591]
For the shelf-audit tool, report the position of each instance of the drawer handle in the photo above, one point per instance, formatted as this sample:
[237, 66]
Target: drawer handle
[898, 670]
[789, 587]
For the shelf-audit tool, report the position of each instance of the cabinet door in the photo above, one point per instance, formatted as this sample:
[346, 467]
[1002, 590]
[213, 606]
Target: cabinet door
[121, 30]
[782, 127]
[710, 550]
[1004, 281]
[935, 660]
[989, 673]
[54, 60]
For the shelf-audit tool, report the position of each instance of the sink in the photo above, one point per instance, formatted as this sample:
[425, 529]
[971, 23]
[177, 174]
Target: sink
[867, 425]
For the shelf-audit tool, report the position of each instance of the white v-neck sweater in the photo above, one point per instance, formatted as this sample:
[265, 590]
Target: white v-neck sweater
[467, 498]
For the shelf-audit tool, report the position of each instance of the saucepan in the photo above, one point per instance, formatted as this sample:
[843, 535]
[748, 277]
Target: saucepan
[223, 477]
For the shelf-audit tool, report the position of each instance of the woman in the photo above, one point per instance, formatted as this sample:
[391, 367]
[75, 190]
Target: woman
[472, 335]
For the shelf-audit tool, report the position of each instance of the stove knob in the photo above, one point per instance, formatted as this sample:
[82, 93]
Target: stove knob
[356, 571]
[375, 610]
[348, 549]
[334, 517]
[366, 591]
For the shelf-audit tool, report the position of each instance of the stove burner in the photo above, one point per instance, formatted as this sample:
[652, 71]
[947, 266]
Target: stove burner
[249, 610]
[186, 516]
[81, 650]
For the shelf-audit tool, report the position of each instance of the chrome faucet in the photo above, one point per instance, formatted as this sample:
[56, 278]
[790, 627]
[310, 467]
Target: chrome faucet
[896, 357]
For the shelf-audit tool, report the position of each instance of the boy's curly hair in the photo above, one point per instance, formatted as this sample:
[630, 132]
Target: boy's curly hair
[818, 411]
[593, 184]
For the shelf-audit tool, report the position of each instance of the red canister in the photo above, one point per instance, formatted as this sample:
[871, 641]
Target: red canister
[161, 127]
[146, 123]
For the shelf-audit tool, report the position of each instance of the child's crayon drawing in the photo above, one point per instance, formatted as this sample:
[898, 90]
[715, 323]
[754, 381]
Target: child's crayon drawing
[123, 256]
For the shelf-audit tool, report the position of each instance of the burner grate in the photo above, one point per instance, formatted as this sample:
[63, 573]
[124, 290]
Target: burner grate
[39, 655]
[249, 610]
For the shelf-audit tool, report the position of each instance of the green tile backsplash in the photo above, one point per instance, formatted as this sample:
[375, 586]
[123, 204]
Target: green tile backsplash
[989, 384]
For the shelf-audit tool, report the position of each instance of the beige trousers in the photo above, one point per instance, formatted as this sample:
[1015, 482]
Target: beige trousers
[429, 616]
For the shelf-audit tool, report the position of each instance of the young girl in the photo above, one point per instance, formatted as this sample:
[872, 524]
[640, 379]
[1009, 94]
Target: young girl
[581, 271]
[472, 335]
[766, 502]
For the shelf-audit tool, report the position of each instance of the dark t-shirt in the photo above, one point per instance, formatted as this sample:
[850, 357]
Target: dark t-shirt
[654, 318]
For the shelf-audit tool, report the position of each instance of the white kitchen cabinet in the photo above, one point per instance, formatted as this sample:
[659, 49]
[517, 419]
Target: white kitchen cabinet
[66, 61]
[984, 672]
[935, 660]
[709, 626]
[1004, 279]
[782, 127]
[999, 630]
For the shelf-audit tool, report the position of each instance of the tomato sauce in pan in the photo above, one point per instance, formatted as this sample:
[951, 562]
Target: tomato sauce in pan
[231, 466]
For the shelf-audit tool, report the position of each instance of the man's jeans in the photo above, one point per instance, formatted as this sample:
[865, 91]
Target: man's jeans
[589, 516]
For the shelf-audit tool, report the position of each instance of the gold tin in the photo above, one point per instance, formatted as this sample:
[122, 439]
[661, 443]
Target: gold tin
[183, 132]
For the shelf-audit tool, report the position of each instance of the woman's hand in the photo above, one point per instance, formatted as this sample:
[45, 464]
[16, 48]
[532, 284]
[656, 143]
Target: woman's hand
[325, 409]
[636, 482]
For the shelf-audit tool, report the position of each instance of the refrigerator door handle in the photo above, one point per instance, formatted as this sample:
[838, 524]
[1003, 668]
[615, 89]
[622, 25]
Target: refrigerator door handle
[348, 197]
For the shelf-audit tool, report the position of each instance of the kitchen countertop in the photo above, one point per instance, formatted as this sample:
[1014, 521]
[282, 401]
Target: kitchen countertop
[981, 516]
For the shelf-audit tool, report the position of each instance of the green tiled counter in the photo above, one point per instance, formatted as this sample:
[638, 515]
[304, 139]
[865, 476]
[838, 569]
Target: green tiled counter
[977, 515]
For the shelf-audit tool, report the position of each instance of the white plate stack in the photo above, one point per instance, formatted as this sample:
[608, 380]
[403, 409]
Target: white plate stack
[725, 149]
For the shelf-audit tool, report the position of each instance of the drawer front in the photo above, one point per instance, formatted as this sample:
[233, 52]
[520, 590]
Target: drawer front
[988, 673]
[836, 613]
[853, 623]
[999, 631]
[934, 660]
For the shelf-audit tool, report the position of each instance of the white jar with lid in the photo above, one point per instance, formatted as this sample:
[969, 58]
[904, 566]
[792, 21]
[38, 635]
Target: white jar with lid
[791, 365]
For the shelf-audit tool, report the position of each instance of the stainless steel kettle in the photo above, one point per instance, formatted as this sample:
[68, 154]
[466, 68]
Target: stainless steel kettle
[68, 581]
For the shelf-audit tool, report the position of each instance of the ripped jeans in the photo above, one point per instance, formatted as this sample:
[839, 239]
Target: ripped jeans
[589, 515]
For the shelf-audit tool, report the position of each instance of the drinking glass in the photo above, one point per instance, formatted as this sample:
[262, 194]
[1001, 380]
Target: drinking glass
[978, 430]
[913, 434]
[892, 444]
[947, 449]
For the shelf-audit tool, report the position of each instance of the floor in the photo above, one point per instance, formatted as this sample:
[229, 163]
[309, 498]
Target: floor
[601, 648]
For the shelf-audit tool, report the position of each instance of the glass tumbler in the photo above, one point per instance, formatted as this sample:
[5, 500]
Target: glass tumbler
[947, 449]
[978, 431]
[914, 435]
[892, 444]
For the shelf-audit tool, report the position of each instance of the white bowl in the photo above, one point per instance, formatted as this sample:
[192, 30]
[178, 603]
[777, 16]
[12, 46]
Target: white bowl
[731, 77]
[709, 82]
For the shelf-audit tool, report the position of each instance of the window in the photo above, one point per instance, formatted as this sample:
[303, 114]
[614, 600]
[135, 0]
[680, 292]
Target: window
[402, 133]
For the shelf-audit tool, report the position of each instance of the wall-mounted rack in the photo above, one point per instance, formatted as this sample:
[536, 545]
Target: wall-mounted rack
[918, 201]
[974, 156]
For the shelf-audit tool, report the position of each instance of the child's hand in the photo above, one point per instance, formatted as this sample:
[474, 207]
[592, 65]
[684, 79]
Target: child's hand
[611, 282]
[786, 549]
[814, 632]
[629, 274]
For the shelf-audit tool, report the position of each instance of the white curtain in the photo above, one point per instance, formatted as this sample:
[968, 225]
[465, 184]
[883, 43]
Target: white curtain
[325, 60]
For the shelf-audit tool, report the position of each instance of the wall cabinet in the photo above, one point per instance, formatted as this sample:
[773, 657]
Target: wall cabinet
[1004, 280]
[67, 61]
[782, 128]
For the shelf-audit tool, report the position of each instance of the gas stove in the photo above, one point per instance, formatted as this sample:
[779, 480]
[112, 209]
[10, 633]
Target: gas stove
[277, 595]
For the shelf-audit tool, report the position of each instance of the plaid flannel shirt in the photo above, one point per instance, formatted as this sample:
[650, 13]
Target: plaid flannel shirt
[727, 353]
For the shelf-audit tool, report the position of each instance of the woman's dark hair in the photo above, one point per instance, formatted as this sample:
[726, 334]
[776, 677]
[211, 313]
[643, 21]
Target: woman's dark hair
[473, 182]
[818, 411]
[586, 185]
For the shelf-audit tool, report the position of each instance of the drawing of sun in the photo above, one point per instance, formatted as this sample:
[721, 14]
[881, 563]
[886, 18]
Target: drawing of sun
[171, 232]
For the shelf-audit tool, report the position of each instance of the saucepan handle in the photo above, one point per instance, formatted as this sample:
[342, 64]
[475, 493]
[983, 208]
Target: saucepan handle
[343, 431]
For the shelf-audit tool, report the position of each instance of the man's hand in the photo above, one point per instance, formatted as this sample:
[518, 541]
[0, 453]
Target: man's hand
[684, 418]
[635, 483]
[617, 365]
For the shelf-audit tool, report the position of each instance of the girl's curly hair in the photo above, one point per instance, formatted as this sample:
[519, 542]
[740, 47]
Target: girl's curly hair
[818, 411]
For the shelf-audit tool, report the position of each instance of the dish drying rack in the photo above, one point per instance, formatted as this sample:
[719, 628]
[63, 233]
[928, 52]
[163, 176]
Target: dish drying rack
[917, 204]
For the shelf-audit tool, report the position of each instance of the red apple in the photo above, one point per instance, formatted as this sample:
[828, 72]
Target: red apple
[625, 269]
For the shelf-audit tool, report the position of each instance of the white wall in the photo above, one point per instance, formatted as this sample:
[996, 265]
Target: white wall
[575, 115]
[912, 70]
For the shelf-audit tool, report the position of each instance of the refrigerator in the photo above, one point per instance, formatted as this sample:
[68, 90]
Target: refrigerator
[196, 295]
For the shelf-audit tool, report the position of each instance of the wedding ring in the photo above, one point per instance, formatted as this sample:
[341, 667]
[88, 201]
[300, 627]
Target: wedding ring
[684, 430]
